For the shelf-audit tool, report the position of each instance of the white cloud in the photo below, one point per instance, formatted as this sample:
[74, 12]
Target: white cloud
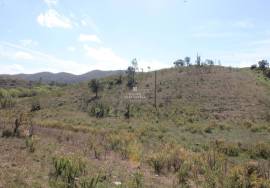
[12, 69]
[90, 23]
[243, 24]
[52, 19]
[83, 23]
[23, 56]
[215, 29]
[51, 2]
[212, 35]
[261, 42]
[105, 57]
[28, 43]
[89, 38]
[240, 58]
[44, 61]
[96, 58]
[71, 48]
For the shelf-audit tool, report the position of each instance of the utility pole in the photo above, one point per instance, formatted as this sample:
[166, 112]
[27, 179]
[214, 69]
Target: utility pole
[156, 89]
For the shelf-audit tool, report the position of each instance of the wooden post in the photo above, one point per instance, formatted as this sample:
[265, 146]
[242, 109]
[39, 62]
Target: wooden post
[156, 89]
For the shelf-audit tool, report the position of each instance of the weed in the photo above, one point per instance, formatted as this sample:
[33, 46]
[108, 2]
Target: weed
[137, 180]
[68, 168]
[30, 145]
[7, 102]
[99, 110]
[89, 182]
[260, 150]
[158, 162]
[97, 152]
[183, 174]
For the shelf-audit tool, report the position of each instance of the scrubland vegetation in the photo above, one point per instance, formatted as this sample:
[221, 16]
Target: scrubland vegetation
[210, 129]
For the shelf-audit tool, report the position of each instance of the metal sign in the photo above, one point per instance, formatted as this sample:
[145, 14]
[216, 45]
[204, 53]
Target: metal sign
[137, 94]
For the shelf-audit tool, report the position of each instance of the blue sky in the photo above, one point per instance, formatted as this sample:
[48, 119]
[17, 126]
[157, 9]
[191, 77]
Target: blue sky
[83, 35]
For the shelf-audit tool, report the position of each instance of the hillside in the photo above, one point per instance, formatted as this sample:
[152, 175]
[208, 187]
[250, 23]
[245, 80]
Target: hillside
[62, 77]
[210, 129]
[7, 82]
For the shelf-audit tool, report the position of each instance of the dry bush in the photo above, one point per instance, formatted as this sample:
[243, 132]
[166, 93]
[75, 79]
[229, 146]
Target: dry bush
[157, 161]
[170, 158]
[260, 150]
[7, 133]
[230, 149]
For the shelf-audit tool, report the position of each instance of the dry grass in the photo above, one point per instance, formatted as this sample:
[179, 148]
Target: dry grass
[208, 114]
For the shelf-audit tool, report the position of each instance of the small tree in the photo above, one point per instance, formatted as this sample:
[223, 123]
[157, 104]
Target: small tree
[179, 63]
[119, 79]
[187, 60]
[134, 63]
[198, 60]
[131, 73]
[131, 76]
[254, 66]
[263, 64]
[95, 86]
[209, 62]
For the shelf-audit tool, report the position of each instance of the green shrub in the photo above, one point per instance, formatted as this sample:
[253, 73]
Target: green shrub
[119, 80]
[183, 174]
[137, 180]
[266, 72]
[7, 102]
[35, 106]
[99, 110]
[259, 128]
[89, 182]
[68, 168]
[13, 92]
[2, 92]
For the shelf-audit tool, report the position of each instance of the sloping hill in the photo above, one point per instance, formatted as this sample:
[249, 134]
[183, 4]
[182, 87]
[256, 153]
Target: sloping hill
[207, 92]
[47, 77]
[209, 118]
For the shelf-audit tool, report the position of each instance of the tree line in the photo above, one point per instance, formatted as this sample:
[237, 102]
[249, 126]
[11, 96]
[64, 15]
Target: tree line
[198, 62]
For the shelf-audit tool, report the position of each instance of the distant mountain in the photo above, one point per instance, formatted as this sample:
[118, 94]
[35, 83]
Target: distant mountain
[63, 77]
